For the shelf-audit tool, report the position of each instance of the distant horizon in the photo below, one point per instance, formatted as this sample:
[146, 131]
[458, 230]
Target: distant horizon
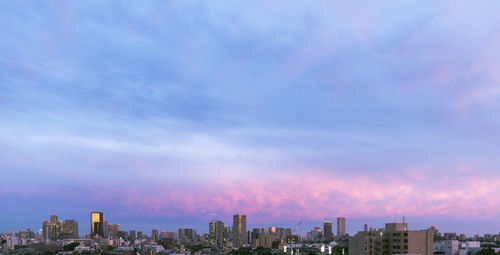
[352, 225]
[171, 112]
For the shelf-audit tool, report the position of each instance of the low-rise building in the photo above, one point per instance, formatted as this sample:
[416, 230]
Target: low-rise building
[456, 247]
[394, 239]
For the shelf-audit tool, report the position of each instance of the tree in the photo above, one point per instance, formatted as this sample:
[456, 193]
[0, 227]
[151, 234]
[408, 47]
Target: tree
[71, 246]
[487, 251]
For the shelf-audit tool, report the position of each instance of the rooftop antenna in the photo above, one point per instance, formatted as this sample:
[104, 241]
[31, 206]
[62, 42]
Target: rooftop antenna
[395, 218]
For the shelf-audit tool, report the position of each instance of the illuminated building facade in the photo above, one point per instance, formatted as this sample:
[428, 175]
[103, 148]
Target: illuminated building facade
[239, 230]
[97, 224]
[340, 226]
[216, 234]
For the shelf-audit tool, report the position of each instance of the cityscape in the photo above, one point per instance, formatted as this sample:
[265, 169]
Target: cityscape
[62, 237]
[237, 127]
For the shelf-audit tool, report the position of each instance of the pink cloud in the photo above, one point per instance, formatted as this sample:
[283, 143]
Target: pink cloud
[309, 195]
[317, 195]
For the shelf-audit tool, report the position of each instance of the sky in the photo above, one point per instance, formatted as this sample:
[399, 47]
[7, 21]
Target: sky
[167, 114]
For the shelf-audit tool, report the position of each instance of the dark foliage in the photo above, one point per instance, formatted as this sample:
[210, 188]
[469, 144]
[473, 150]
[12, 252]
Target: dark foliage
[71, 246]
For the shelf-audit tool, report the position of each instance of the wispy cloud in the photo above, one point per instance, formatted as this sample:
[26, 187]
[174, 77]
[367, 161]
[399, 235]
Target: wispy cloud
[275, 109]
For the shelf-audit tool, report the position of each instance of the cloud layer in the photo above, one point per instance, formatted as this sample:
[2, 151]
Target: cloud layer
[183, 109]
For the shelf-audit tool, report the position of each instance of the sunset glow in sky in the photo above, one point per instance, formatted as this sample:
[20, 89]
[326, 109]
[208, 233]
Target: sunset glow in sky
[167, 114]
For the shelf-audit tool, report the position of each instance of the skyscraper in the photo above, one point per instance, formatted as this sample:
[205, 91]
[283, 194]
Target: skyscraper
[97, 224]
[52, 228]
[228, 232]
[186, 234]
[113, 230]
[69, 229]
[132, 235]
[327, 230]
[216, 234]
[340, 226]
[239, 230]
[154, 234]
[105, 228]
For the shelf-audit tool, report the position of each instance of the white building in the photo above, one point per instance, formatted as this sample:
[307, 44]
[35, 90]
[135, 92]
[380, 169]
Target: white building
[455, 247]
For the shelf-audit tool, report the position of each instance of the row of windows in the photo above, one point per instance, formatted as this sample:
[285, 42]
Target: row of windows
[399, 234]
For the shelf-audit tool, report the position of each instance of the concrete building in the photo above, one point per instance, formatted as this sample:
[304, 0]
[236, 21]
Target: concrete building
[69, 230]
[327, 231]
[278, 233]
[122, 234]
[132, 235]
[26, 234]
[228, 232]
[51, 229]
[315, 235]
[239, 230]
[166, 234]
[216, 234]
[113, 230]
[455, 247]
[258, 231]
[186, 234]
[54, 229]
[395, 239]
[263, 240]
[154, 234]
[249, 237]
[340, 226]
[105, 228]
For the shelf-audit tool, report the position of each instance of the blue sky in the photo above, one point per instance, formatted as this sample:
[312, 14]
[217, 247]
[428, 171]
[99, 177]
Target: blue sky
[167, 112]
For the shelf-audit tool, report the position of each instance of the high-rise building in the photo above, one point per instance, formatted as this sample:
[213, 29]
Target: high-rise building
[395, 239]
[96, 224]
[132, 235]
[52, 229]
[274, 234]
[166, 234]
[69, 230]
[113, 230]
[327, 230]
[211, 233]
[340, 226]
[262, 240]
[278, 233]
[239, 230]
[154, 234]
[25, 234]
[228, 232]
[105, 227]
[122, 234]
[186, 234]
[258, 231]
[216, 234]
[248, 236]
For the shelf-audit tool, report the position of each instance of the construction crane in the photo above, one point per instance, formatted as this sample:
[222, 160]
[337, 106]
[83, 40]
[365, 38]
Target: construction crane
[296, 227]
[291, 241]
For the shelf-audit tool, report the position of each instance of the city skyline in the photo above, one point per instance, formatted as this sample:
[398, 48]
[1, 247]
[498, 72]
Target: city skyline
[302, 228]
[172, 113]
